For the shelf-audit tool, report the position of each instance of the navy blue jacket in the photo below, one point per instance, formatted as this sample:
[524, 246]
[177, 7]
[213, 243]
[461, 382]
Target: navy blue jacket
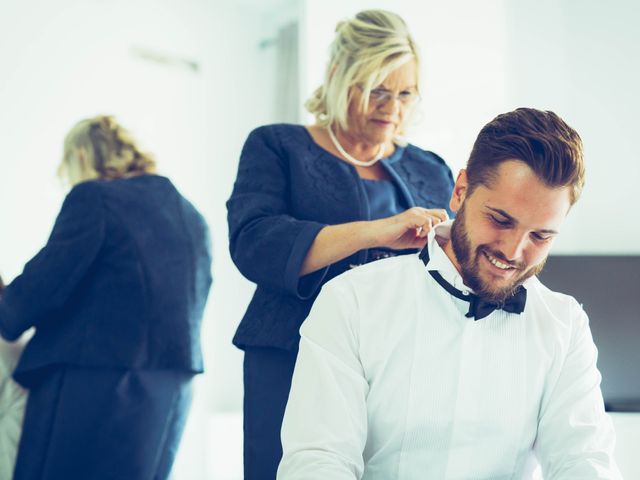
[287, 189]
[121, 282]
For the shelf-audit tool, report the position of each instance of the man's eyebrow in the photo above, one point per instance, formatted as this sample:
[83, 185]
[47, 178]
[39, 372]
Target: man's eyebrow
[499, 211]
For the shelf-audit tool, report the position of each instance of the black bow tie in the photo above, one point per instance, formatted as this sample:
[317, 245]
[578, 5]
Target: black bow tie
[478, 307]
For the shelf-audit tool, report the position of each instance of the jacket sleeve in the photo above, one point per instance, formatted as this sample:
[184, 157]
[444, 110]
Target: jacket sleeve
[324, 431]
[575, 436]
[50, 277]
[267, 244]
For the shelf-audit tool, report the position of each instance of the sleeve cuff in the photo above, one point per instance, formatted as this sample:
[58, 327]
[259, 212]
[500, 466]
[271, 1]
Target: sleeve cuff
[303, 287]
[5, 332]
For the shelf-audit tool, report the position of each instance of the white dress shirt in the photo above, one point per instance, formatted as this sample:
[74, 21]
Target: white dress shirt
[392, 381]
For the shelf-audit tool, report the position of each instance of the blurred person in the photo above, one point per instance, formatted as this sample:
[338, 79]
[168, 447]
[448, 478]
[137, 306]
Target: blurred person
[116, 297]
[311, 202]
[13, 399]
[12, 403]
[457, 362]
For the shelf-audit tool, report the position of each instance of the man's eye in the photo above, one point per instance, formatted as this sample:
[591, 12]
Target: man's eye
[501, 223]
[541, 237]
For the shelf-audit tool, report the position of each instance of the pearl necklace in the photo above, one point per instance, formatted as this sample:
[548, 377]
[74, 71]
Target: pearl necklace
[349, 157]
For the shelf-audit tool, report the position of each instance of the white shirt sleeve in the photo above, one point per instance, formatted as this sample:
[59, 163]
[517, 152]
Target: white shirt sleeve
[13, 401]
[575, 437]
[325, 423]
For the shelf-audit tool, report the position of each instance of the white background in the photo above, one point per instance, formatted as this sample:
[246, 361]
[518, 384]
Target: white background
[64, 60]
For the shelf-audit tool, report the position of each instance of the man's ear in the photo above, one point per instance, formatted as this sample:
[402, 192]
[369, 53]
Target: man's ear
[459, 191]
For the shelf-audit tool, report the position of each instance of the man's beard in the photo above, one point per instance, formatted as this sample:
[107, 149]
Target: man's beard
[470, 265]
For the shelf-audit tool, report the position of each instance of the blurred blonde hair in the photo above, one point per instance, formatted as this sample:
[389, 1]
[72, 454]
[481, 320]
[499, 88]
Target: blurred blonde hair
[365, 51]
[100, 147]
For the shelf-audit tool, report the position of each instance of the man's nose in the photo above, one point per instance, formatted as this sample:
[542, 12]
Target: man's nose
[514, 245]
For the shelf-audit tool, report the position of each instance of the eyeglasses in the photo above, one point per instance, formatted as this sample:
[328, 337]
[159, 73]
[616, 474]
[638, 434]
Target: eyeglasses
[380, 96]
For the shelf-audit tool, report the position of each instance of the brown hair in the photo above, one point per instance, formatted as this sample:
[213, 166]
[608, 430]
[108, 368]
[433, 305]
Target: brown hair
[541, 139]
[109, 152]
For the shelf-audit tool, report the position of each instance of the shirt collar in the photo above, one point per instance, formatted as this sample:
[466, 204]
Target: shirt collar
[438, 259]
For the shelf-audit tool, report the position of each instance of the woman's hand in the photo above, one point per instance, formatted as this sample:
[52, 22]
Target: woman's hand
[408, 229]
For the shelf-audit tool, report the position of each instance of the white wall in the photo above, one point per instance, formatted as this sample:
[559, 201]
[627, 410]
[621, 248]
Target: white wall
[581, 59]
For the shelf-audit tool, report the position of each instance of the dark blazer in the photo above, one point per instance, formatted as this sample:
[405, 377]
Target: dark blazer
[121, 282]
[286, 191]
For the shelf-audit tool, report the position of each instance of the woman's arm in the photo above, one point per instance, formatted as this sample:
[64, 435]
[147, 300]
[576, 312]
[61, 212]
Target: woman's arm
[408, 229]
[50, 277]
[272, 248]
[268, 244]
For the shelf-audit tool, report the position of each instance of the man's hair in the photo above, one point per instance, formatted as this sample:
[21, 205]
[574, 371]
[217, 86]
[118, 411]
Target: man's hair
[541, 139]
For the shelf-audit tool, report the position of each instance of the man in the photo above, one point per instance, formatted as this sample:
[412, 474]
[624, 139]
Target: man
[458, 363]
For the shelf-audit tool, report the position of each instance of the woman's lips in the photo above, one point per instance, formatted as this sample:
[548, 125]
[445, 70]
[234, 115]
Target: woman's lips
[382, 123]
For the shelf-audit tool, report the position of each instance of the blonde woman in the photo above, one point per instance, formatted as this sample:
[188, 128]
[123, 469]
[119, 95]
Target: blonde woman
[311, 202]
[116, 298]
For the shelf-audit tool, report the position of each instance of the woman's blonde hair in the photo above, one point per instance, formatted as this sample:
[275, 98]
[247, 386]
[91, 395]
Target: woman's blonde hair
[100, 147]
[365, 51]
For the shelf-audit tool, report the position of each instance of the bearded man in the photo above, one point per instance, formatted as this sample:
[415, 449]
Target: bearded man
[457, 363]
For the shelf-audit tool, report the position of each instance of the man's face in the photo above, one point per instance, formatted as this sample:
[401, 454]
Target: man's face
[502, 233]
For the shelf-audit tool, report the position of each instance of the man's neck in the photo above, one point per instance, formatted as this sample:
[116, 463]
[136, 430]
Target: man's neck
[447, 248]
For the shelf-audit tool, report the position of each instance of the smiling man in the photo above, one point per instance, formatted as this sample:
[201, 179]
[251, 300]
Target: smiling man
[457, 363]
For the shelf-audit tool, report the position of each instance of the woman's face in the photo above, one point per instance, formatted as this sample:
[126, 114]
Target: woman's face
[389, 104]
